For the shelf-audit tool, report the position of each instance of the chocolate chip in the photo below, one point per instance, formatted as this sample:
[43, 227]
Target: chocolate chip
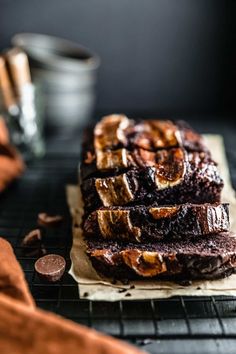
[198, 288]
[128, 294]
[85, 294]
[32, 244]
[122, 290]
[49, 220]
[33, 238]
[125, 281]
[132, 286]
[50, 267]
[114, 281]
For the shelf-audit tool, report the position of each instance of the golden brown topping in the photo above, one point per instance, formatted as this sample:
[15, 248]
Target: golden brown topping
[142, 140]
[112, 159]
[114, 190]
[109, 131]
[170, 167]
[158, 134]
[145, 157]
[146, 264]
[105, 255]
[163, 212]
[117, 222]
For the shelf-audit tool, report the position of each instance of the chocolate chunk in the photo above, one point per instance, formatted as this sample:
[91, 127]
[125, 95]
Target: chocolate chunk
[50, 267]
[32, 244]
[122, 290]
[33, 238]
[49, 220]
[127, 294]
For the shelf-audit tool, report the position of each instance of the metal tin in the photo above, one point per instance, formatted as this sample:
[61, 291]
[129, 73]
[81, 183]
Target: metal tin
[67, 75]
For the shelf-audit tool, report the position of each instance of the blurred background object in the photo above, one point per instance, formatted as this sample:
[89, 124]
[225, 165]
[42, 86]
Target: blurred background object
[66, 73]
[158, 57]
[18, 103]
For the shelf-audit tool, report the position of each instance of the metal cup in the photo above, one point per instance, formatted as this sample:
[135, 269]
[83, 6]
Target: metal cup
[67, 75]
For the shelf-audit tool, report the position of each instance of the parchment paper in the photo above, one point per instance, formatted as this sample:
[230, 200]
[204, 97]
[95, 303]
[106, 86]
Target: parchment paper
[94, 287]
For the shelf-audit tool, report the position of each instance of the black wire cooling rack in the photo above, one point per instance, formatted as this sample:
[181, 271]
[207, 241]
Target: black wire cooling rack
[42, 189]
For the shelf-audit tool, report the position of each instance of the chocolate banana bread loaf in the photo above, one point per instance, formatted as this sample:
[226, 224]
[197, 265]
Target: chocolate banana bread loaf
[153, 223]
[154, 161]
[174, 177]
[151, 193]
[208, 257]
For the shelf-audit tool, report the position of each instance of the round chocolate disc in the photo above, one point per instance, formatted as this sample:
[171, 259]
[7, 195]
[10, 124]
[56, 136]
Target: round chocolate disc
[50, 267]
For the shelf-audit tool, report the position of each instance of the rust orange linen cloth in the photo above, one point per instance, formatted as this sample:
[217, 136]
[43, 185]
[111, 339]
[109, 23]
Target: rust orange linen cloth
[24, 329]
[11, 163]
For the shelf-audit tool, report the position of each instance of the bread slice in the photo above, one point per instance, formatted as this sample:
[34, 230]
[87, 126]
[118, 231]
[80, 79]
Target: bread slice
[117, 131]
[127, 162]
[209, 257]
[143, 223]
[174, 177]
[118, 143]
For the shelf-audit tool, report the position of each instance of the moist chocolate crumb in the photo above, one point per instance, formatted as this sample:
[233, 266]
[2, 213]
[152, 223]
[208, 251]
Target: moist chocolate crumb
[122, 290]
[49, 220]
[127, 294]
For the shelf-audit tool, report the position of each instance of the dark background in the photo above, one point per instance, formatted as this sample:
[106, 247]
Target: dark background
[168, 57]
